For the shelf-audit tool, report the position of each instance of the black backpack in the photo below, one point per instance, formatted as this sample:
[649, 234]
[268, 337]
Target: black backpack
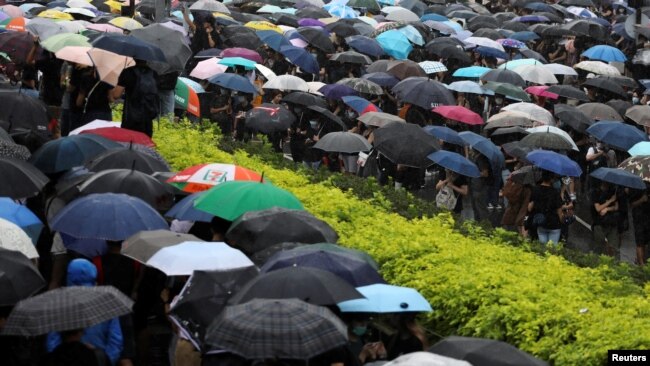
[144, 102]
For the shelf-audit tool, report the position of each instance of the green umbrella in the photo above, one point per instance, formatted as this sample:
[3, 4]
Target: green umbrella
[230, 200]
[508, 90]
[57, 42]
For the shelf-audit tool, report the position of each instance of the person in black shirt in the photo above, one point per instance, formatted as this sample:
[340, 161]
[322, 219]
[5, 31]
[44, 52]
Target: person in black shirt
[94, 98]
[546, 203]
[605, 215]
[640, 214]
[204, 33]
[456, 182]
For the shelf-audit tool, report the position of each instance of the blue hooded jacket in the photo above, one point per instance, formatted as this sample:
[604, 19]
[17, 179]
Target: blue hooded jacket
[107, 335]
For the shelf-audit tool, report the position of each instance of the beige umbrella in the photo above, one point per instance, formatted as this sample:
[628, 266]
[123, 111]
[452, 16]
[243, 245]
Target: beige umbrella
[76, 54]
[378, 119]
[534, 112]
[597, 67]
[509, 119]
[639, 114]
[109, 65]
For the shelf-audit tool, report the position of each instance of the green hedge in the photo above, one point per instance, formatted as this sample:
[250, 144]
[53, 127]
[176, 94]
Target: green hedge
[478, 284]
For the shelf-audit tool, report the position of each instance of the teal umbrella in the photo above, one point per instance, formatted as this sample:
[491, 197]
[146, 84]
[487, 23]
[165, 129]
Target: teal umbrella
[395, 44]
[238, 61]
[640, 149]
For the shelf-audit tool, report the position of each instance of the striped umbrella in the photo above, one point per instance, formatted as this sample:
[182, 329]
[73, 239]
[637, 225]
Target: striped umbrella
[186, 95]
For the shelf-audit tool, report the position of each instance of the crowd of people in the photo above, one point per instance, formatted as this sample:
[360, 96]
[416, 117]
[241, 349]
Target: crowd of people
[486, 84]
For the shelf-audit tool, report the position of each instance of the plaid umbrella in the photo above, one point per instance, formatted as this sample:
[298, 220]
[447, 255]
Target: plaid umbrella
[432, 67]
[66, 308]
[638, 165]
[16, 44]
[269, 329]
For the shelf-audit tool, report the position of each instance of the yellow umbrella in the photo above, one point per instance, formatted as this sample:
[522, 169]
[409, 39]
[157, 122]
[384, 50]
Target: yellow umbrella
[262, 25]
[125, 23]
[55, 14]
[115, 6]
[216, 14]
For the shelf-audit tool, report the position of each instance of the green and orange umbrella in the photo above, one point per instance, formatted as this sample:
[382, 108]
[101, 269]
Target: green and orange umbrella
[186, 95]
[14, 24]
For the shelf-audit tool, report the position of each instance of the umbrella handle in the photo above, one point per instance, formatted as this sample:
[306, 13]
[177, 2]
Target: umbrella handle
[89, 93]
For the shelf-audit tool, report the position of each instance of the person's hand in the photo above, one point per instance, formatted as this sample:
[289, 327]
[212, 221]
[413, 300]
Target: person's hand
[36, 39]
[164, 295]
[603, 212]
[368, 352]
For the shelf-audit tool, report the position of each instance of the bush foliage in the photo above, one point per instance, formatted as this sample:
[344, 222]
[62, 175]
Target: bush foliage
[476, 281]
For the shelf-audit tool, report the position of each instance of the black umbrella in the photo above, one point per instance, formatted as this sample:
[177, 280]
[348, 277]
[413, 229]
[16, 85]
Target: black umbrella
[351, 57]
[504, 76]
[21, 112]
[586, 28]
[378, 66]
[606, 85]
[516, 150]
[203, 298]
[423, 92]
[546, 140]
[305, 99]
[20, 179]
[130, 46]
[257, 230]
[514, 26]
[19, 278]
[416, 6]
[362, 85]
[259, 258]
[527, 175]
[284, 19]
[490, 33]
[436, 44]
[9, 149]
[312, 12]
[572, 117]
[343, 142]
[620, 106]
[342, 29]
[405, 144]
[143, 245]
[66, 308]
[269, 118]
[621, 80]
[568, 91]
[126, 159]
[311, 285]
[172, 44]
[317, 38]
[244, 40]
[405, 68]
[484, 352]
[327, 116]
[277, 329]
[131, 182]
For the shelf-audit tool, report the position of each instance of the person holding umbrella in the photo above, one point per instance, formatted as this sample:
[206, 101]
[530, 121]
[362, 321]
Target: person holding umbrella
[605, 215]
[141, 104]
[545, 208]
[458, 184]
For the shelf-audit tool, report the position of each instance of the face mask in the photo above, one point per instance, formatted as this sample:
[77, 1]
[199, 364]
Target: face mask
[359, 331]
[498, 100]
[313, 124]
[635, 100]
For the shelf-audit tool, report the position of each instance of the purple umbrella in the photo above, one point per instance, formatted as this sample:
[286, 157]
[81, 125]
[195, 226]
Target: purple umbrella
[337, 91]
[310, 22]
[243, 53]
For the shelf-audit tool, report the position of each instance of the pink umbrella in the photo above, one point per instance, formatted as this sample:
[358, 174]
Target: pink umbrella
[12, 10]
[109, 65]
[76, 54]
[104, 27]
[208, 68]
[242, 52]
[540, 91]
[459, 113]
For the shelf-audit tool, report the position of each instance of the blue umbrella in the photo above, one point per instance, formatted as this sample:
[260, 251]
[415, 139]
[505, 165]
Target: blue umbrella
[366, 45]
[107, 216]
[619, 177]
[554, 162]
[273, 39]
[360, 105]
[531, 19]
[537, 6]
[381, 78]
[337, 91]
[470, 72]
[412, 34]
[62, 154]
[466, 86]
[445, 134]
[238, 61]
[395, 44]
[455, 162]
[381, 298]
[605, 53]
[301, 58]
[233, 82]
[617, 134]
[184, 210]
[129, 46]
[434, 17]
[21, 216]
[640, 148]
[89, 248]
[524, 36]
[353, 270]
[341, 11]
[491, 52]
[486, 147]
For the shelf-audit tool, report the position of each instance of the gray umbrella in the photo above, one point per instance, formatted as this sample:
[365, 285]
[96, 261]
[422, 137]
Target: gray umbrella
[600, 112]
[8, 149]
[145, 244]
[546, 140]
[171, 42]
[362, 85]
[504, 76]
[568, 91]
[343, 142]
[66, 308]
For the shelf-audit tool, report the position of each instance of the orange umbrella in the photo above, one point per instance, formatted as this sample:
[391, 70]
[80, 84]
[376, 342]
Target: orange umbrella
[14, 24]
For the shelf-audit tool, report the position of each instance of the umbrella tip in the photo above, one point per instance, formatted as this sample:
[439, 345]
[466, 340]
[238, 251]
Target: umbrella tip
[262, 178]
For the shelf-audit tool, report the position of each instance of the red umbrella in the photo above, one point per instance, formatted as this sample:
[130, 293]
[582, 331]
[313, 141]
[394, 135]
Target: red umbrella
[202, 177]
[540, 91]
[459, 113]
[122, 135]
[242, 52]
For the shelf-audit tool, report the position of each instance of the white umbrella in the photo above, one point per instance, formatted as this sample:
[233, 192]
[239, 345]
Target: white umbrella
[185, 258]
[431, 67]
[80, 11]
[536, 74]
[287, 82]
[402, 15]
[426, 359]
[598, 67]
[555, 130]
[80, 4]
[265, 71]
[485, 42]
[74, 26]
[314, 86]
[535, 112]
[208, 68]
[390, 9]
[98, 123]
[210, 5]
[559, 69]
[14, 238]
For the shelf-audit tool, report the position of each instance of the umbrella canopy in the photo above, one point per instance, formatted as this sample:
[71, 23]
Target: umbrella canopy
[120, 135]
[287, 82]
[15, 238]
[20, 179]
[317, 38]
[534, 112]
[559, 69]
[423, 92]
[66, 308]
[22, 216]
[507, 90]
[470, 72]
[432, 67]
[455, 162]
[641, 148]
[486, 352]
[445, 134]
[509, 119]
[460, 114]
[16, 44]
[233, 82]
[383, 298]
[184, 210]
[172, 44]
[268, 118]
[597, 67]
[256, 230]
[639, 114]
[504, 76]
[304, 99]
[211, 6]
[541, 91]
[301, 58]
[599, 112]
[130, 46]
[637, 165]
[537, 74]
[546, 140]
[395, 44]
[362, 85]
[186, 96]
[426, 359]
[109, 65]
[250, 56]
[619, 177]
[85, 217]
[311, 285]
[19, 278]
[360, 105]
[208, 68]
[467, 86]
[62, 154]
[556, 130]
[572, 117]
[271, 329]
[526, 175]
[185, 258]
[336, 91]
[144, 244]
[21, 112]
[379, 119]
[605, 53]
[605, 85]
[554, 162]
[344, 142]
[568, 91]
[365, 45]
[351, 57]
[329, 247]
[485, 147]
[390, 141]
[125, 158]
[404, 69]
[229, 200]
[617, 134]
[203, 298]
